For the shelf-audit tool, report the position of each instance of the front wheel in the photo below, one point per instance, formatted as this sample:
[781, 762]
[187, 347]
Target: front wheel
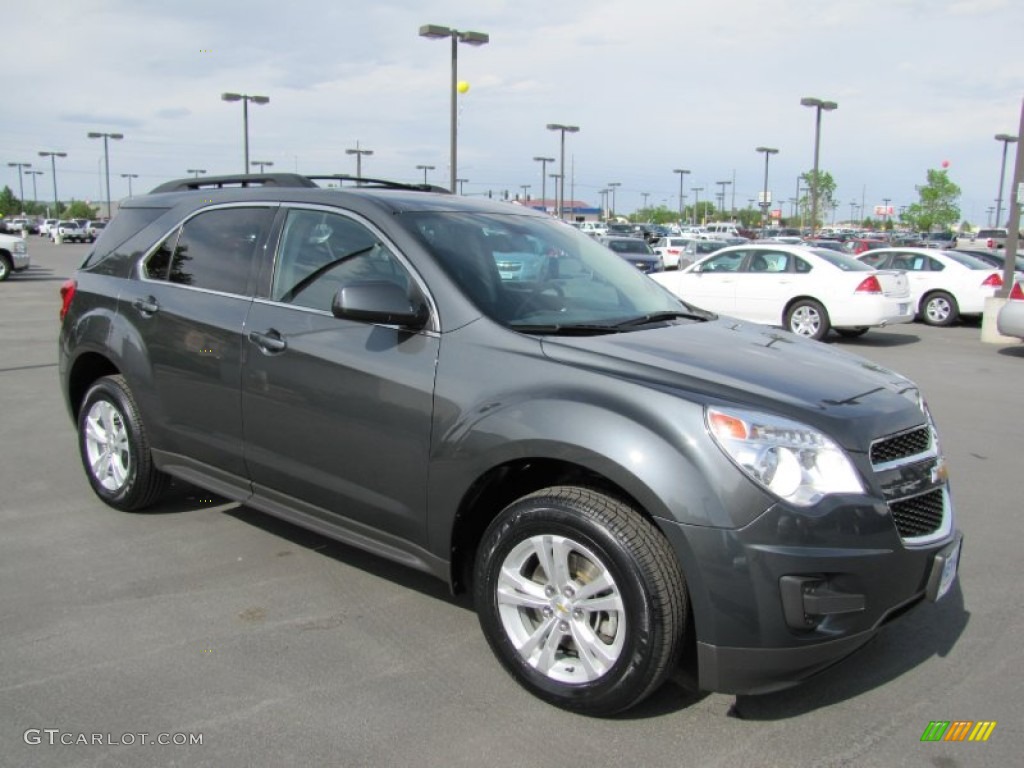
[5, 267]
[939, 308]
[807, 318]
[114, 447]
[581, 599]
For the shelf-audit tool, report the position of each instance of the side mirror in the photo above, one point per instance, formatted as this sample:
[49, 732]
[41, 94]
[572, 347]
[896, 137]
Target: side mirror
[381, 302]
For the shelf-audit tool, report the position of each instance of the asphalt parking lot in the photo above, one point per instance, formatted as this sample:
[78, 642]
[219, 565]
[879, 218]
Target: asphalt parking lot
[273, 646]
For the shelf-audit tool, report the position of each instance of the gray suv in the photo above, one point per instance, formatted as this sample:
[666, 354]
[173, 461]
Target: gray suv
[627, 485]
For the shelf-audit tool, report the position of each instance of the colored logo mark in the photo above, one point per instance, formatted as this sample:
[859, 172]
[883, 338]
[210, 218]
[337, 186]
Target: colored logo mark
[958, 730]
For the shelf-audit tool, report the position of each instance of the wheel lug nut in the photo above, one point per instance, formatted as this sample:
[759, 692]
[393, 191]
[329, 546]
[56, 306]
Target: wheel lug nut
[550, 591]
[577, 614]
[546, 610]
[563, 626]
[568, 591]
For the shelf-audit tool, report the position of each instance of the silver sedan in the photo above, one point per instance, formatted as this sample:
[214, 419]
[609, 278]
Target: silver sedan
[1011, 317]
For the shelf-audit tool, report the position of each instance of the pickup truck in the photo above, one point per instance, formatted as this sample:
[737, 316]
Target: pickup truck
[67, 231]
[13, 255]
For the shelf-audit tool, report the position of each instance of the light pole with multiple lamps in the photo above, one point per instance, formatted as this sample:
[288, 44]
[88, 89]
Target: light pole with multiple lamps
[469, 38]
[544, 179]
[425, 168]
[53, 169]
[723, 185]
[613, 185]
[21, 184]
[129, 176]
[1007, 140]
[196, 171]
[819, 106]
[106, 159]
[557, 179]
[262, 164]
[768, 152]
[245, 99]
[35, 196]
[526, 192]
[359, 158]
[563, 129]
[682, 195]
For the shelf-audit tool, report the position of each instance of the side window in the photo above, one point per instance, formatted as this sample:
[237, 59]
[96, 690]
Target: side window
[320, 251]
[801, 266]
[158, 265]
[727, 262]
[876, 260]
[215, 250]
[934, 265]
[767, 261]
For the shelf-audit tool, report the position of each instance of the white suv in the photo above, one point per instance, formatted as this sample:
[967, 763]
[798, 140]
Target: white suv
[13, 255]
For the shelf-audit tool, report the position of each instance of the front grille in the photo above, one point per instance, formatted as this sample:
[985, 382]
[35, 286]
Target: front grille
[918, 515]
[901, 446]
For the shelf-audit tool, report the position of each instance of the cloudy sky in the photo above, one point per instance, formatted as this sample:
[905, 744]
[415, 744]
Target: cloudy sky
[653, 84]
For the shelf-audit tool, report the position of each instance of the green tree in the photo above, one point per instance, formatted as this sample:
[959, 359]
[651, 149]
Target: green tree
[9, 204]
[938, 207]
[826, 193]
[78, 209]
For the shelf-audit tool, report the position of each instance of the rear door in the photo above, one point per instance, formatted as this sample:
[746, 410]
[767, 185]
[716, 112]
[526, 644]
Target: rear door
[337, 413]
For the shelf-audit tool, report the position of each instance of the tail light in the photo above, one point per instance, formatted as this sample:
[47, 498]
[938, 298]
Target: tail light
[990, 243]
[1017, 293]
[67, 293]
[869, 285]
[995, 280]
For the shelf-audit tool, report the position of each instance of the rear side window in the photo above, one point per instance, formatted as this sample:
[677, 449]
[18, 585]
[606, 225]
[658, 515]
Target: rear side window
[127, 223]
[214, 250]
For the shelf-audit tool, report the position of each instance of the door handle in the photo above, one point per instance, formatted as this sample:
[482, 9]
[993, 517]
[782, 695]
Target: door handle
[269, 342]
[147, 306]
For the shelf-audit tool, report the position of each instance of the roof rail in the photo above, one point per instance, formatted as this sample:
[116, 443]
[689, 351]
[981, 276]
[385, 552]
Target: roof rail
[363, 181]
[242, 180]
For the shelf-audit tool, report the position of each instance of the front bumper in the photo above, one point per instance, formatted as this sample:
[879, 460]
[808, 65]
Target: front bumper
[793, 593]
[21, 262]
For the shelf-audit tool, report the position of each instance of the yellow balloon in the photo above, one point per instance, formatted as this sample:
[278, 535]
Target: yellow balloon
[462, 86]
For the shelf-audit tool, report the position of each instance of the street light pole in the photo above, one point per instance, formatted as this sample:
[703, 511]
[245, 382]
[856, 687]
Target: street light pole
[245, 99]
[853, 209]
[558, 179]
[563, 129]
[21, 183]
[359, 159]
[682, 195]
[261, 163]
[106, 160]
[645, 195]
[196, 171]
[470, 38]
[768, 152]
[544, 179]
[525, 187]
[425, 168]
[35, 196]
[723, 185]
[129, 176]
[53, 169]
[696, 201]
[1007, 140]
[614, 185]
[818, 105]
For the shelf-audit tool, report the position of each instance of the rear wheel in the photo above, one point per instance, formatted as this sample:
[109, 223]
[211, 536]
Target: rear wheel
[581, 599]
[114, 447]
[808, 318]
[939, 308]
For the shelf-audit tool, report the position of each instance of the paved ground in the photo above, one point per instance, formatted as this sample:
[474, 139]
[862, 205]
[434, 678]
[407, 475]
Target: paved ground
[278, 647]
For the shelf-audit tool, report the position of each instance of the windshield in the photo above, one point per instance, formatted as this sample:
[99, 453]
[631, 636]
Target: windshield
[535, 274]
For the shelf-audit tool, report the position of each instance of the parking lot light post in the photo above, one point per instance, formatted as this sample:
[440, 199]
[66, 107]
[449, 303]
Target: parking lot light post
[557, 179]
[526, 191]
[1007, 140]
[682, 195]
[262, 164]
[544, 179]
[563, 129]
[129, 176]
[53, 170]
[853, 211]
[461, 182]
[33, 174]
[425, 168]
[21, 184]
[359, 159]
[885, 211]
[613, 185]
[106, 159]
[436, 31]
[245, 99]
[768, 152]
[196, 171]
[696, 201]
[819, 106]
[723, 185]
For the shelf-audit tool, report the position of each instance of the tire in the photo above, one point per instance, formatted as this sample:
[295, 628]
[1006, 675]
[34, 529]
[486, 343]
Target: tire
[596, 649]
[114, 447]
[939, 308]
[5, 267]
[807, 318]
[851, 333]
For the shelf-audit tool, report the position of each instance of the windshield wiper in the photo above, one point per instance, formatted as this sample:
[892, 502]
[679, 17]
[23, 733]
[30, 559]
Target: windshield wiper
[569, 329]
[657, 317]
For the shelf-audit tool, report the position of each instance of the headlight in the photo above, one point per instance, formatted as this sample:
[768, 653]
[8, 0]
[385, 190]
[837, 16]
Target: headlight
[20, 247]
[795, 462]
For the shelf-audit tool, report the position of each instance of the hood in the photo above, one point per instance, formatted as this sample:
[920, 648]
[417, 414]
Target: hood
[755, 366]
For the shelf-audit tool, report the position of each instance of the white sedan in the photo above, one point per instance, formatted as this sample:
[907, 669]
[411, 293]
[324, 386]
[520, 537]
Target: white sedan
[1010, 320]
[806, 290]
[671, 249]
[943, 284]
